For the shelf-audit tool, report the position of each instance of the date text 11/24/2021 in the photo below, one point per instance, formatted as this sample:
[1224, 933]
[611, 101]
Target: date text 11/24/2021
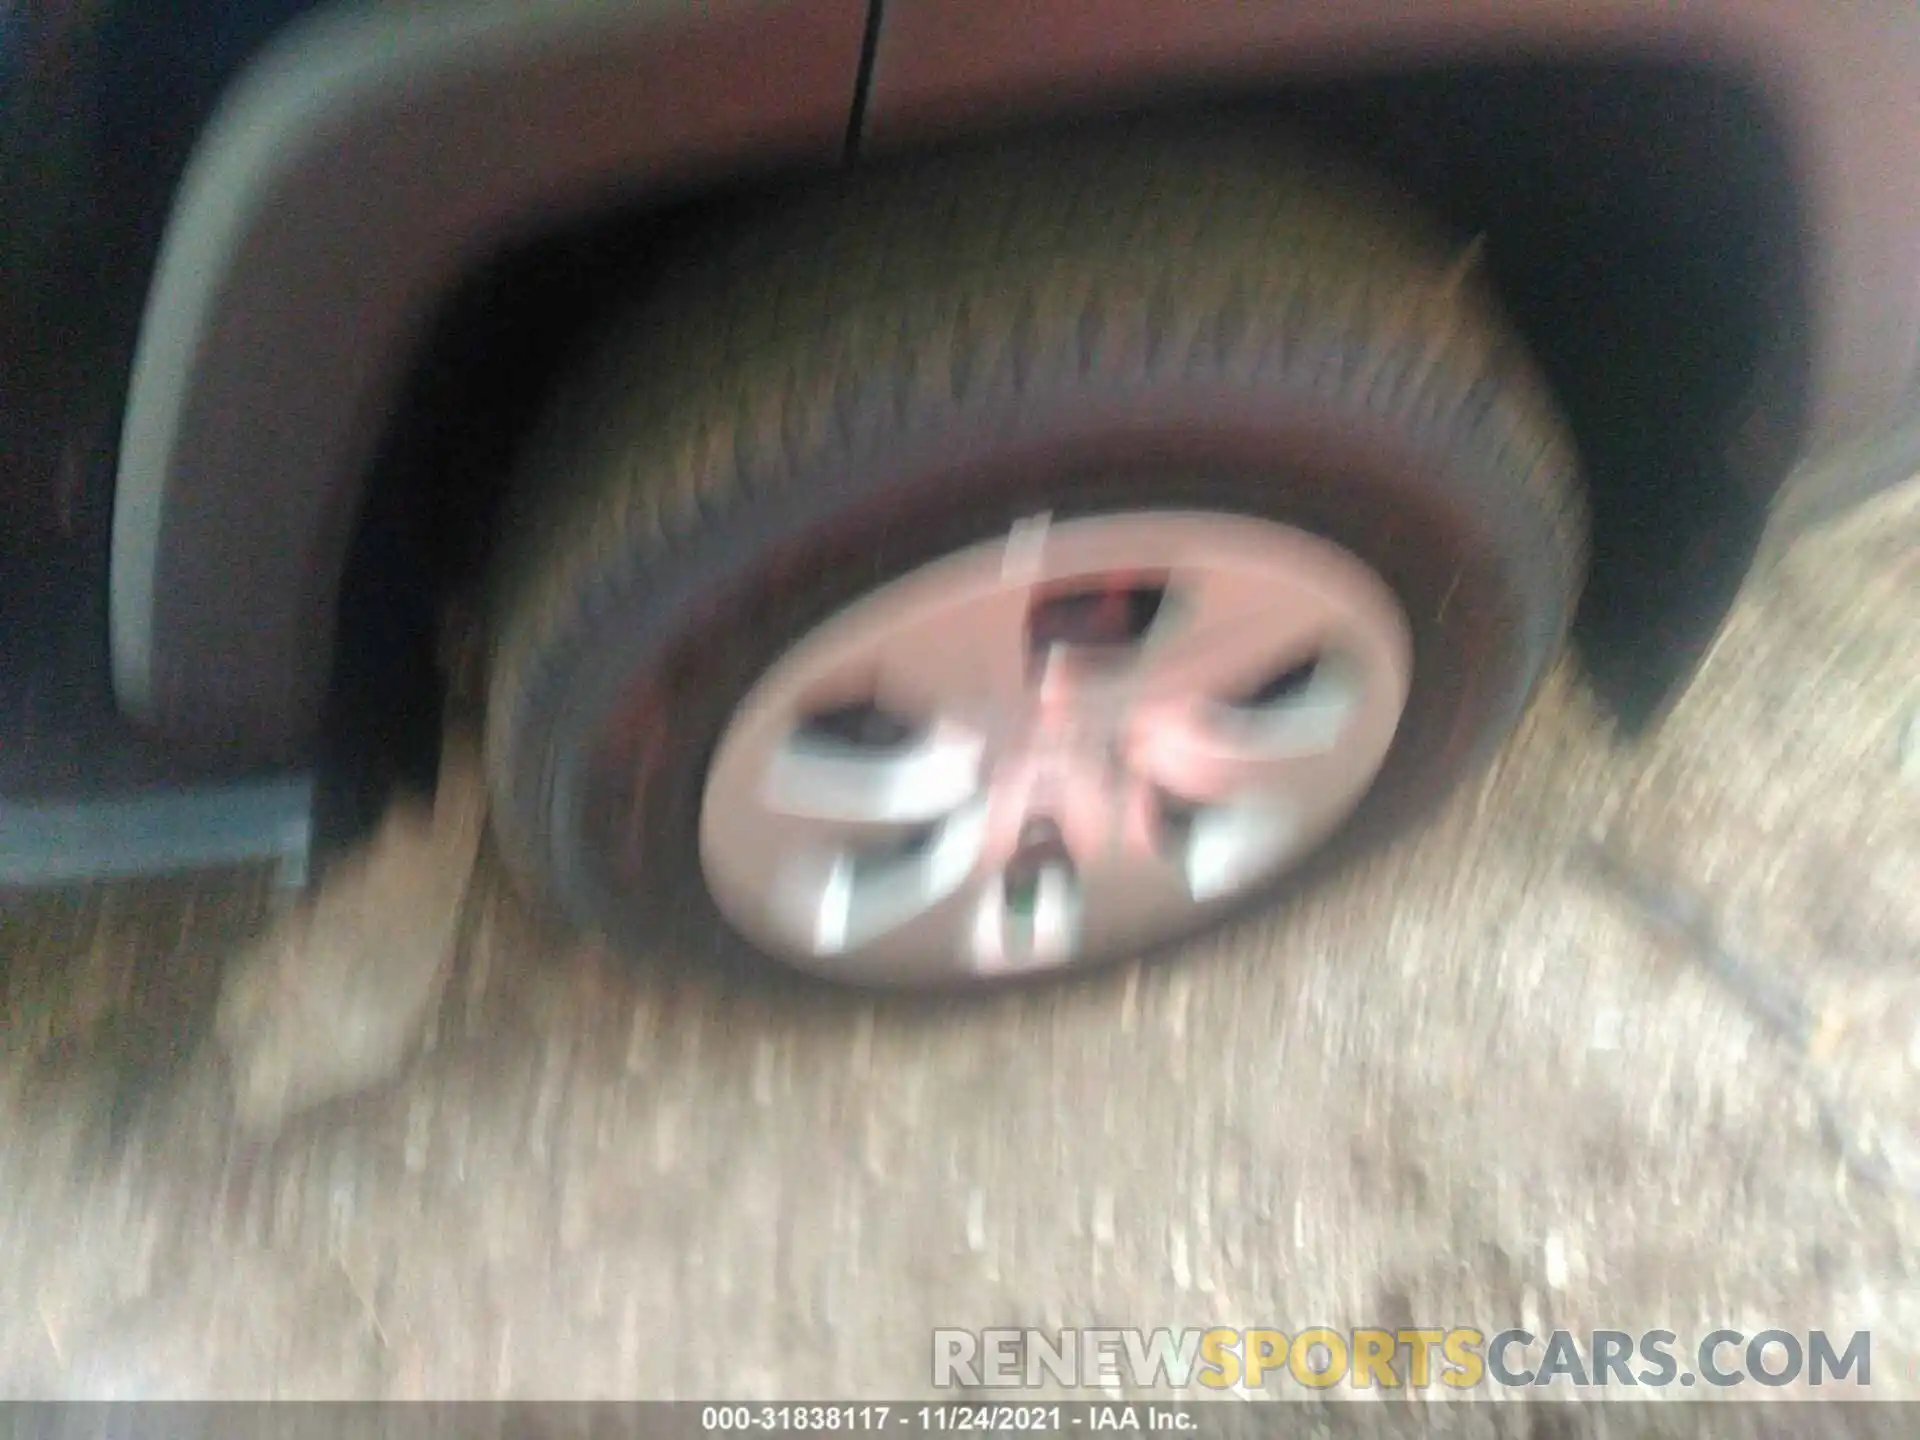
[958, 1417]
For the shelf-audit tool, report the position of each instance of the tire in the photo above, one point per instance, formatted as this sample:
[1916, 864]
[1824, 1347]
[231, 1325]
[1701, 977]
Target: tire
[914, 362]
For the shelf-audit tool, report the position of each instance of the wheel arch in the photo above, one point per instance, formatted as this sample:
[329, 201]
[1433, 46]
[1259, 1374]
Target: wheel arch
[261, 452]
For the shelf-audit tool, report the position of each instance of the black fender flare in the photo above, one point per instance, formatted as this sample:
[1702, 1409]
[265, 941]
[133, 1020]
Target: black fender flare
[354, 170]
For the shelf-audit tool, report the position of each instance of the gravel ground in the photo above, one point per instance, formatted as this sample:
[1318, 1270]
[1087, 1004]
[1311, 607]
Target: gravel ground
[1477, 1081]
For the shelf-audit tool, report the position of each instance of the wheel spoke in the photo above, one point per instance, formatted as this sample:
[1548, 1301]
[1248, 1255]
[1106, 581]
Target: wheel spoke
[828, 830]
[1316, 743]
[1029, 924]
[1135, 886]
[835, 903]
[1224, 631]
[834, 784]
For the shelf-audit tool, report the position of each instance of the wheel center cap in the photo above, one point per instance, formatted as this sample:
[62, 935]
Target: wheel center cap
[1071, 736]
[1071, 716]
[1065, 768]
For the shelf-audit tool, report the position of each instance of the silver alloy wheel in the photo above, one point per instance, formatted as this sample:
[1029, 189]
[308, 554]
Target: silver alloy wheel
[1052, 747]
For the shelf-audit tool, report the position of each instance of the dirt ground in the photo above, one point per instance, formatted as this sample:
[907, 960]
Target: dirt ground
[1475, 1082]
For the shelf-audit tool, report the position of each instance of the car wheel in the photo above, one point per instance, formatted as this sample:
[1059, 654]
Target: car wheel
[1023, 561]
